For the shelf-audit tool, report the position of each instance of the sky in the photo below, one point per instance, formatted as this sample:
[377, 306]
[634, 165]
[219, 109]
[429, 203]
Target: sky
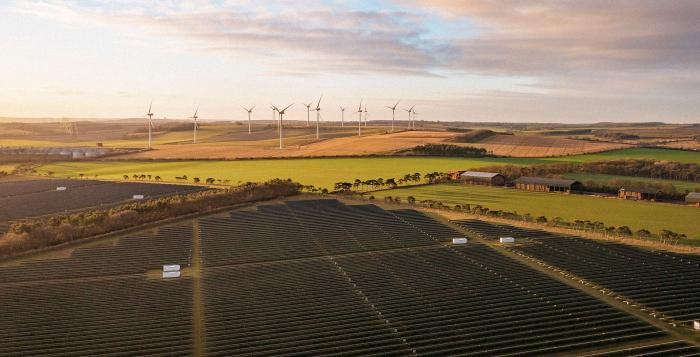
[468, 60]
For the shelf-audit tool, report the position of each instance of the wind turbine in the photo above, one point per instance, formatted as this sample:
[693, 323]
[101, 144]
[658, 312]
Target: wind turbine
[359, 119]
[342, 116]
[150, 123]
[365, 115]
[414, 119]
[281, 116]
[410, 110]
[393, 112]
[308, 109]
[194, 137]
[318, 114]
[274, 117]
[250, 110]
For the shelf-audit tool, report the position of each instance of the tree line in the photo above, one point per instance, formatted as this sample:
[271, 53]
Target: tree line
[415, 178]
[44, 232]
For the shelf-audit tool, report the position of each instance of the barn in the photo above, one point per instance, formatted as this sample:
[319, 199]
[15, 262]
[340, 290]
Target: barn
[483, 178]
[546, 184]
[638, 193]
[693, 198]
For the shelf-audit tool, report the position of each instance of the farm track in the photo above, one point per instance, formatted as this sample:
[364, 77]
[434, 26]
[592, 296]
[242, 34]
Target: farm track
[307, 277]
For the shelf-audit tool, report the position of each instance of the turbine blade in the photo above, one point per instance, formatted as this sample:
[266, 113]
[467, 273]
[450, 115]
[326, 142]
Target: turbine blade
[287, 107]
[319, 102]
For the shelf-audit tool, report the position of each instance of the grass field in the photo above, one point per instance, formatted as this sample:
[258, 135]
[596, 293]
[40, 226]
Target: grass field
[689, 157]
[318, 172]
[681, 186]
[611, 211]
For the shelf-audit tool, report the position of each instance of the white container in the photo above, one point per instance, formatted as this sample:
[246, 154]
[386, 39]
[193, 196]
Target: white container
[507, 240]
[171, 274]
[172, 267]
[138, 197]
[61, 188]
[696, 325]
[459, 240]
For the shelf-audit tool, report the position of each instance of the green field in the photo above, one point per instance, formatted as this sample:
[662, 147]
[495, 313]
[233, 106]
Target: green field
[688, 157]
[681, 186]
[611, 211]
[317, 172]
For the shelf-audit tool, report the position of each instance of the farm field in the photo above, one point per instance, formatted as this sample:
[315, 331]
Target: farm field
[392, 288]
[611, 211]
[681, 186]
[541, 146]
[340, 142]
[322, 172]
[31, 198]
[684, 156]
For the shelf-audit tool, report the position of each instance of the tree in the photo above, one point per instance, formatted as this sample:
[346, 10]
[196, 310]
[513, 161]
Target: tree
[135, 177]
[81, 175]
[391, 182]
[195, 179]
[411, 200]
[149, 177]
[157, 178]
[210, 181]
[126, 177]
[624, 231]
[643, 233]
[356, 184]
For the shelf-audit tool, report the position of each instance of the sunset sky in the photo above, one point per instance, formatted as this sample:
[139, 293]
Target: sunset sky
[556, 61]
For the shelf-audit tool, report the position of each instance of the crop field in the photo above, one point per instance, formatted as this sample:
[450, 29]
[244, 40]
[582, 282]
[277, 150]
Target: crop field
[31, 198]
[322, 172]
[541, 146]
[663, 282]
[298, 142]
[681, 186]
[637, 215]
[305, 277]
[688, 157]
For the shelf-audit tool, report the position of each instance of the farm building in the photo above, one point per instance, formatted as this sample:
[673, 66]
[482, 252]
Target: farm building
[545, 184]
[693, 198]
[638, 193]
[483, 178]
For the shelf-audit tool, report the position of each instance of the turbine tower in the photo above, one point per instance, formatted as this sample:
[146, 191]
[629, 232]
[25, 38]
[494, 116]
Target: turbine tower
[393, 112]
[414, 119]
[150, 124]
[410, 110]
[308, 110]
[194, 117]
[281, 117]
[250, 110]
[342, 116]
[359, 119]
[318, 114]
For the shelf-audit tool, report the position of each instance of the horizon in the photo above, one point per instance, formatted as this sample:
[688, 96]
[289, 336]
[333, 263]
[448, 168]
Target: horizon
[476, 61]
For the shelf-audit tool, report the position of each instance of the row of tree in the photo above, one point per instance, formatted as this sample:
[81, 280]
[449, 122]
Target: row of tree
[208, 180]
[664, 235]
[448, 150]
[622, 167]
[416, 178]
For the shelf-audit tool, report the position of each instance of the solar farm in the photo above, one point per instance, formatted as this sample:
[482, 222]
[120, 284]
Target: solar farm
[38, 197]
[322, 277]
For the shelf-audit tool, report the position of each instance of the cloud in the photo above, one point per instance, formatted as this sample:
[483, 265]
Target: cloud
[305, 40]
[554, 36]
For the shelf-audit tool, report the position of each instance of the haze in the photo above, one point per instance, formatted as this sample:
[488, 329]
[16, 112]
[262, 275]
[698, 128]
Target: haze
[557, 61]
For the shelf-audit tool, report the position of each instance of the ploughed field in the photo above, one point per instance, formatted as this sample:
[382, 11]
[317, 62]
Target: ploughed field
[306, 277]
[31, 198]
[529, 145]
[663, 284]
